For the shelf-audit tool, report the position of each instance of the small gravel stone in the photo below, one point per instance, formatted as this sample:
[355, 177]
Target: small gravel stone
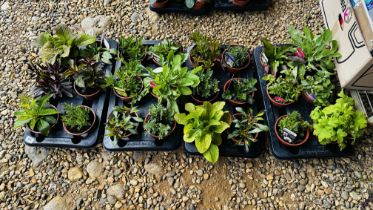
[94, 169]
[74, 174]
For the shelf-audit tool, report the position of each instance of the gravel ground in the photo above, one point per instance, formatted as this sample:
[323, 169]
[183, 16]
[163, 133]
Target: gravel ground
[32, 178]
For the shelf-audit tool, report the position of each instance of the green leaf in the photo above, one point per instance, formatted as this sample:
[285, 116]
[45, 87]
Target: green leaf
[48, 111]
[212, 155]
[203, 143]
[85, 40]
[43, 127]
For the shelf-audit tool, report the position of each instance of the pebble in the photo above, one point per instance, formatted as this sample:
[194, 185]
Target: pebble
[74, 174]
[153, 169]
[94, 169]
[57, 203]
[36, 154]
[116, 191]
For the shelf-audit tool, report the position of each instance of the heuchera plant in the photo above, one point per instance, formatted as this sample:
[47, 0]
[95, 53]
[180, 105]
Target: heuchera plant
[204, 125]
[338, 123]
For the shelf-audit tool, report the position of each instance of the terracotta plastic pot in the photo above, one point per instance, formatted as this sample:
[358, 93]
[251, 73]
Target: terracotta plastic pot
[200, 101]
[236, 141]
[86, 131]
[193, 65]
[157, 137]
[234, 70]
[86, 96]
[200, 4]
[160, 3]
[51, 127]
[240, 3]
[274, 102]
[282, 141]
[235, 102]
[127, 99]
[308, 97]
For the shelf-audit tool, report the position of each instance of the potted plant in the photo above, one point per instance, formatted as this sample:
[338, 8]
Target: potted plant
[158, 3]
[159, 122]
[240, 91]
[50, 80]
[239, 3]
[204, 125]
[246, 128]
[89, 80]
[131, 48]
[78, 120]
[64, 45]
[197, 4]
[207, 89]
[38, 115]
[235, 59]
[173, 80]
[127, 81]
[100, 51]
[159, 52]
[283, 91]
[318, 89]
[338, 123]
[123, 122]
[204, 51]
[291, 130]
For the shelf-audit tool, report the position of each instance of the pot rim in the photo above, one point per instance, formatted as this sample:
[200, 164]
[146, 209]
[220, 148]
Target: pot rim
[86, 131]
[52, 126]
[278, 104]
[232, 101]
[282, 141]
[157, 137]
[235, 69]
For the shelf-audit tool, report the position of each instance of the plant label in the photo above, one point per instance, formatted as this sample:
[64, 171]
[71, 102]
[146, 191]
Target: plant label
[289, 135]
[229, 59]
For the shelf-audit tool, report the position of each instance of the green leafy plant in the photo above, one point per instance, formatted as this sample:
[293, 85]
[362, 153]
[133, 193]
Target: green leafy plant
[208, 85]
[159, 122]
[246, 126]
[294, 123]
[241, 90]
[131, 48]
[160, 51]
[123, 122]
[173, 80]
[285, 89]
[63, 45]
[338, 123]
[76, 117]
[239, 53]
[37, 114]
[203, 126]
[127, 80]
[91, 77]
[318, 51]
[277, 55]
[204, 51]
[99, 51]
[50, 80]
[320, 86]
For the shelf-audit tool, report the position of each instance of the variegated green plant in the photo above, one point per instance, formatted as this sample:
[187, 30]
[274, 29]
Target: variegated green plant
[204, 125]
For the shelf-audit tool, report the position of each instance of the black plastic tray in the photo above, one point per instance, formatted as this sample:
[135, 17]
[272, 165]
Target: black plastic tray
[175, 7]
[222, 5]
[59, 138]
[225, 5]
[142, 142]
[228, 148]
[312, 149]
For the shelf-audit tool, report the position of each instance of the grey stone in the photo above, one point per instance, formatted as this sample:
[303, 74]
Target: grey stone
[117, 191]
[36, 154]
[107, 2]
[96, 25]
[5, 6]
[57, 203]
[94, 169]
[153, 168]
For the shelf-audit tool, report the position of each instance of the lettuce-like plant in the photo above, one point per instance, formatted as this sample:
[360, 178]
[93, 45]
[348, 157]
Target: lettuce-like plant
[64, 44]
[338, 123]
[204, 125]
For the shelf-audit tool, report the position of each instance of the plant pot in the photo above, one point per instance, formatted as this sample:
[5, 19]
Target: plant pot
[157, 137]
[282, 141]
[240, 3]
[200, 4]
[127, 136]
[89, 96]
[193, 65]
[159, 4]
[200, 101]
[37, 133]
[86, 131]
[232, 101]
[234, 70]
[309, 98]
[274, 102]
[128, 99]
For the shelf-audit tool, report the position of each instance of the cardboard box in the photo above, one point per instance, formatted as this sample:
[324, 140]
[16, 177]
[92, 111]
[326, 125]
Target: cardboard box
[355, 67]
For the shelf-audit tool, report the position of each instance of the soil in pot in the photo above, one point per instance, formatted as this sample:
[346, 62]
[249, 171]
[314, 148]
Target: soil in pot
[299, 141]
